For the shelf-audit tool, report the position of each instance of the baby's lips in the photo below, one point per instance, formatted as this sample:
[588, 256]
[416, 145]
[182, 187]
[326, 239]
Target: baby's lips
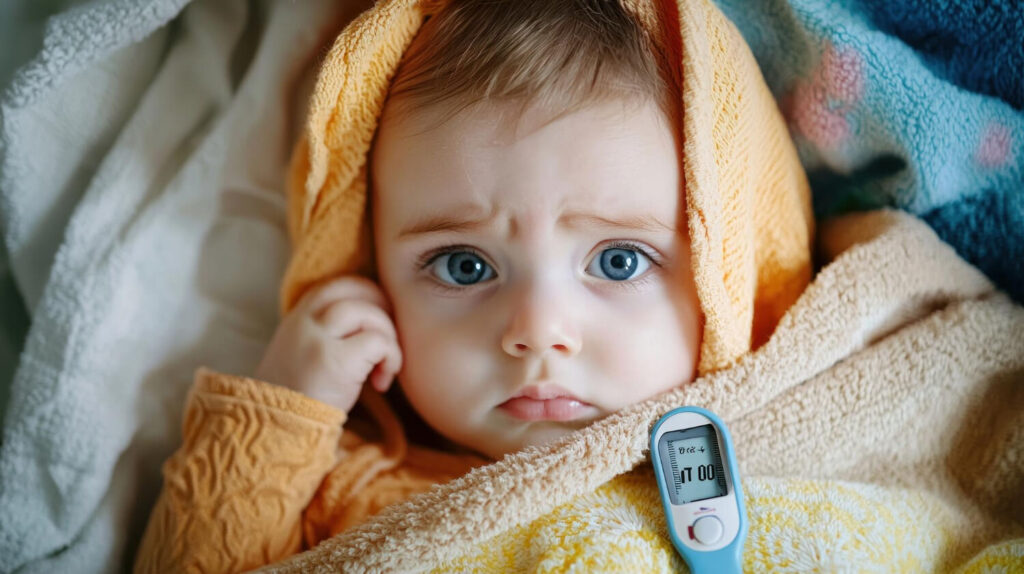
[554, 409]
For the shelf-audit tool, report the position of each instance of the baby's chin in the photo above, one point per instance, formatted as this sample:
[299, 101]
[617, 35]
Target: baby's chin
[516, 438]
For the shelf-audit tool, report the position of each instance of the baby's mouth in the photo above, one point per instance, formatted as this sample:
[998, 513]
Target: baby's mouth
[545, 403]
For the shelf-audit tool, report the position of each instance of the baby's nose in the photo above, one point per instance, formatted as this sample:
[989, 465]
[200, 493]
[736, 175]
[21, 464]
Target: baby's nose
[537, 328]
[517, 349]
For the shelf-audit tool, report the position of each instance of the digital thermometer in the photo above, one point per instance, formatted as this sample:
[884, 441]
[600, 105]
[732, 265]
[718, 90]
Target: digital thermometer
[695, 466]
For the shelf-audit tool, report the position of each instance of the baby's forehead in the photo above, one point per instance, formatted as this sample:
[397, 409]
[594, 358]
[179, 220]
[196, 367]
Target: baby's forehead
[502, 122]
[616, 160]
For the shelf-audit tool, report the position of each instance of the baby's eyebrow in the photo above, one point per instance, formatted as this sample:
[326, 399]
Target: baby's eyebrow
[636, 222]
[453, 223]
[445, 222]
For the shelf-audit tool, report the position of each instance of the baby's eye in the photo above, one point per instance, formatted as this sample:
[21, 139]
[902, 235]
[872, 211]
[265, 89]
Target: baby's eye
[618, 264]
[461, 268]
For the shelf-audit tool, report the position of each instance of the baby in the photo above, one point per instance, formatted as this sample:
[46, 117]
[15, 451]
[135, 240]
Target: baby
[531, 274]
[526, 220]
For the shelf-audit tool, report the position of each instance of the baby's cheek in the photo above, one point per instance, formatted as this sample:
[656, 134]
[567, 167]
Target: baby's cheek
[440, 368]
[644, 357]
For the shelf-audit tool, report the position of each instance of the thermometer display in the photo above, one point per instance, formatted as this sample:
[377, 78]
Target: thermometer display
[698, 479]
[693, 460]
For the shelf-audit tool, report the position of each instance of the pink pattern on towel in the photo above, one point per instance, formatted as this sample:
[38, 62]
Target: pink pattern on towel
[994, 148]
[817, 107]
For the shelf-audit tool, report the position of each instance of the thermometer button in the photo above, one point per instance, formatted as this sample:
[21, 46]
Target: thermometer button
[707, 530]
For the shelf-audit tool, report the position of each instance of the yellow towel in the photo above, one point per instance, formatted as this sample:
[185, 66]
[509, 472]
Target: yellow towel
[747, 200]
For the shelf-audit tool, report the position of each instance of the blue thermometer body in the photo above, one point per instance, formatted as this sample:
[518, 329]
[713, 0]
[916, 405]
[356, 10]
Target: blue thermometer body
[698, 478]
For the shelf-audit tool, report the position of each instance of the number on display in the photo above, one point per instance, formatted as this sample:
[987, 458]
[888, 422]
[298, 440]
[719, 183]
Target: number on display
[704, 472]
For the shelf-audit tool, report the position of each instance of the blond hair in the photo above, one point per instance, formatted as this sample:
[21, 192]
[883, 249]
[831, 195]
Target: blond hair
[561, 54]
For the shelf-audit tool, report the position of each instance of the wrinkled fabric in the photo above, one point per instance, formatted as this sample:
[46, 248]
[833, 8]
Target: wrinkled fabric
[142, 156]
[265, 472]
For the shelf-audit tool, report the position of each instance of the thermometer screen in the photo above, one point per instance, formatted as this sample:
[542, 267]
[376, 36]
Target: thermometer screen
[692, 461]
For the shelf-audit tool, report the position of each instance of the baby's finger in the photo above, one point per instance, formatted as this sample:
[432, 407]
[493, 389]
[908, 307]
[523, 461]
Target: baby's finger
[381, 378]
[349, 316]
[386, 371]
[347, 287]
[373, 349]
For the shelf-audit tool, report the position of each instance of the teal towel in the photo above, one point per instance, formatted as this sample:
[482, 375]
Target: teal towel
[913, 104]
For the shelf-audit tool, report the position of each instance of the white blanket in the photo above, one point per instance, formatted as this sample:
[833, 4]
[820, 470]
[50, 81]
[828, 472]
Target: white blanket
[141, 177]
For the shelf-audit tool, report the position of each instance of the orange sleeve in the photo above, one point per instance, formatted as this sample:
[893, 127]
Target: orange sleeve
[233, 495]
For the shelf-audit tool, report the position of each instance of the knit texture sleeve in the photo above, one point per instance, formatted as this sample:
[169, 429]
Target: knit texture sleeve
[252, 457]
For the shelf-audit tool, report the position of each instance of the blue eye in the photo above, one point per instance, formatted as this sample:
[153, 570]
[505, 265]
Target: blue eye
[461, 268]
[618, 264]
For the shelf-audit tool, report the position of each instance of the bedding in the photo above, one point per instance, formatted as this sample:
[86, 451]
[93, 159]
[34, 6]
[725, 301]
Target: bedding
[143, 153]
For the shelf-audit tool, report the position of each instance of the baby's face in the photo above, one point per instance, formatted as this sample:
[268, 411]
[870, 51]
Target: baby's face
[537, 272]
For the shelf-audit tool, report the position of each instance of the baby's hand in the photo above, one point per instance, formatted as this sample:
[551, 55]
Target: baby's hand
[332, 341]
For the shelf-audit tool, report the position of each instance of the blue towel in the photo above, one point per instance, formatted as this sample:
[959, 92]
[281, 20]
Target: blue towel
[914, 104]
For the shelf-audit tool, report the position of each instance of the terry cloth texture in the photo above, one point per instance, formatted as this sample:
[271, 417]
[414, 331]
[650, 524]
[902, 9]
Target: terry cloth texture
[880, 428]
[906, 103]
[747, 201]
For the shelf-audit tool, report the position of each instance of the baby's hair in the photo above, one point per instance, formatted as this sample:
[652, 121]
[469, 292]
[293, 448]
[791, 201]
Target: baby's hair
[560, 54]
